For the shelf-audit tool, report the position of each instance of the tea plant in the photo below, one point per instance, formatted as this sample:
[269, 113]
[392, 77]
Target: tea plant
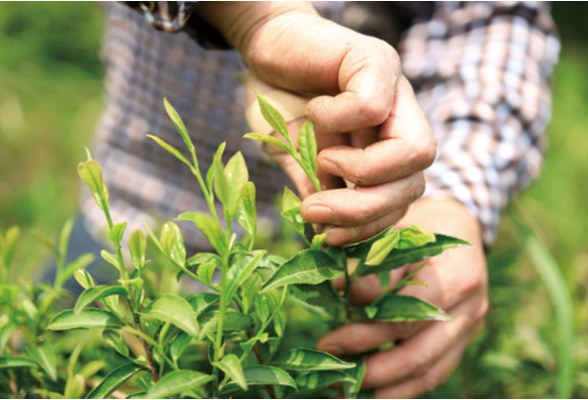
[222, 343]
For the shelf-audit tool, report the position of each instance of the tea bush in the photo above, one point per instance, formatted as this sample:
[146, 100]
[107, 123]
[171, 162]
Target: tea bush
[142, 339]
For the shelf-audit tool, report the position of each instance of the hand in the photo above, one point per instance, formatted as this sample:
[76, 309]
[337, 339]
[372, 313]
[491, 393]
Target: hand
[427, 352]
[386, 139]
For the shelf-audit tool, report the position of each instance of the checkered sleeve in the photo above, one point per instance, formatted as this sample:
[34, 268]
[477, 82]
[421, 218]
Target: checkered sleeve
[481, 73]
[178, 16]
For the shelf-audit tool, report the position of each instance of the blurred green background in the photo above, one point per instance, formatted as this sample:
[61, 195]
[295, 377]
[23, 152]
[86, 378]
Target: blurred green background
[50, 97]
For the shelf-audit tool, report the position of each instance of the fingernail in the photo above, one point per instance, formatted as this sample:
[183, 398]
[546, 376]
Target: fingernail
[330, 167]
[333, 349]
[319, 215]
[338, 235]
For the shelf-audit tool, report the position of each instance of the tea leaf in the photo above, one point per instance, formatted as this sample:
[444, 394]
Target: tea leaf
[111, 259]
[399, 258]
[9, 243]
[262, 308]
[314, 381]
[351, 389]
[179, 345]
[114, 380]
[5, 334]
[237, 177]
[88, 318]
[169, 307]
[16, 362]
[201, 258]
[215, 166]
[44, 355]
[241, 270]
[318, 241]
[301, 359]
[91, 174]
[64, 237]
[175, 117]
[172, 150]
[414, 236]
[307, 267]
[172, 242]
[272, 116]
[234, 321]
[213, 232]
[206, 270]
[264, 375]
[246, 212]
[137, 248]
[84, 278]
[79, 263]
[176, 382]
[360, 250]
[92, 294]
[117, 232]
[269, 139]
[396, 308]
[153, 237]
[307, 145]
[381, 248]
[201, 301]
[290, 200]
[371, 311]
[231, 366]
[384, 277]
[322, 295]
[116, 341]
[75, 387]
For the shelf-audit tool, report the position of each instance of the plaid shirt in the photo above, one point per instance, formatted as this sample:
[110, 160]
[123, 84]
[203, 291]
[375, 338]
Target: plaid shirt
[480, 72]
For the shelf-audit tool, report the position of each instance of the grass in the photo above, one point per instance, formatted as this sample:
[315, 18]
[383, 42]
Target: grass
[50, 96]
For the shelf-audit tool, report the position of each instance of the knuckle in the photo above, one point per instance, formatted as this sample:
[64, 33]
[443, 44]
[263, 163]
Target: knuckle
[482, 311]
[471, 281]
[374, 110]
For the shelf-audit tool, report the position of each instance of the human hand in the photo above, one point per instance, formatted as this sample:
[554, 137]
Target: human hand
[385, 141]
[427, 352]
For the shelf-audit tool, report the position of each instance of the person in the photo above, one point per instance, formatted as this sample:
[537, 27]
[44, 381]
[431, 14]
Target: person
[480, 76]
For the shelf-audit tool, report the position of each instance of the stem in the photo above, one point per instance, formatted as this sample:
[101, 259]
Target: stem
[348, 281]
[269, 388]
[148, 353]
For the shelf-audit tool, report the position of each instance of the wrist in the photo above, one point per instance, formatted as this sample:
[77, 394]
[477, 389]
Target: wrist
[238, 22]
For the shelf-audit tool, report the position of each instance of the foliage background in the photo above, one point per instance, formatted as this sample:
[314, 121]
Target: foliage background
[50, 97]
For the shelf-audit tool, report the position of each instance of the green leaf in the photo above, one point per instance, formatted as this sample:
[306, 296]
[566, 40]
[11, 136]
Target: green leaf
[237, 177]
[117, 232]
[175, 152]
[301, 359]
[75, 387]
[371, 311]
[79, 263]
[269, 139]
[176, 382]
[200, 302]
[16, 362]
[153, 237]
[45, 357]
[116, 341]
[381, 248]
[96, 293]
[351, 389]
[172, 242]
[5, 334]
[169, 307]
[137, 248]
[307, 145]
[91, 174]
[246, 212]
[88, 318]
[234, 321]
[272, 116]
[264, 375]
[213, 232]
[215, 166]
[111, 259]
[314, 381]
[322, 295]
[262, 307]
[206, 270]
[290, 200]
[318, 241]
[113, 381]
[45, 241]
[240, 271]
[360, 250]
[307, 267]
[175, 117]
[414, 236]
[396, 308]
[384, 277]
[84, 278]
[231, 366]
[179, 344]
[9, 243]
[64, 237]
[201, 258]
[399, 258]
